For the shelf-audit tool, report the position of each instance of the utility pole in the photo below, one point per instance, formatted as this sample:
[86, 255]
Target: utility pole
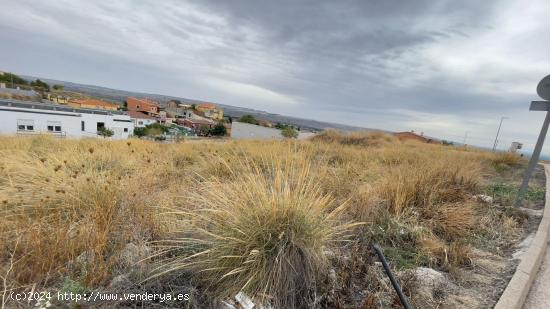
[465, 137]
[498, 132]
[543, 90]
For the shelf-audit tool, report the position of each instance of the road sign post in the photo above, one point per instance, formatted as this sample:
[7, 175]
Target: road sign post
[543, 90]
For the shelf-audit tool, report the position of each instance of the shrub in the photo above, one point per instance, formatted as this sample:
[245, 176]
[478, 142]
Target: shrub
[267, 240]
[289, 132]
[38, 84]
[248, 119]
[219, 130]
[425, 184]
[105, 132]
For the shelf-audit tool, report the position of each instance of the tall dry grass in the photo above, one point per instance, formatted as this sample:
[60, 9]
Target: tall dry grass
[263, 233]
[251, 215]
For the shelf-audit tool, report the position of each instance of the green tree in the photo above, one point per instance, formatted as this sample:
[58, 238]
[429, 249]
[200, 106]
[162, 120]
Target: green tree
[140, 132]
[41, 85]
[58, 87]
[289, 132]
[156, 128]
[248, 119]
[8, 78]
[105, 132]
[219, 130]
[204, 130]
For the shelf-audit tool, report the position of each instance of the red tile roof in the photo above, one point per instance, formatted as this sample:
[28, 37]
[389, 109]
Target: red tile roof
[207, 105]
[139, 115]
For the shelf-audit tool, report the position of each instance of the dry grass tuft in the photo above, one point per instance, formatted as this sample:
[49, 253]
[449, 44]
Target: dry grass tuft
[264, 233]
[355, 138]
[506, 159]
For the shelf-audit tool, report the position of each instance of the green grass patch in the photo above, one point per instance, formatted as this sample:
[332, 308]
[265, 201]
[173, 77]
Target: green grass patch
[505, 194]
[403, 259]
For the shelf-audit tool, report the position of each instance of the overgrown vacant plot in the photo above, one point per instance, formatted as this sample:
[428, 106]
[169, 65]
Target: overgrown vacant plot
[289, 223]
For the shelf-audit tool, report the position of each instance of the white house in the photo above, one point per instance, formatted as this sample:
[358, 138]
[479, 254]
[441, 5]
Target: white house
[140, 119]
[21, 117]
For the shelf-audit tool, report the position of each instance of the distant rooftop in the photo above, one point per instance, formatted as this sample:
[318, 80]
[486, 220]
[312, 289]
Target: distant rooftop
[140, 115]
[94, 102]
[55, 107]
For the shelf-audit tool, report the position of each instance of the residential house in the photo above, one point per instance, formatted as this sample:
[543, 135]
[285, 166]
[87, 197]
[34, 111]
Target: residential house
[27, 118]
[210, 110]
[93, 104]
[178, 110]
[141, 119]
[147, 106]
[196, 124]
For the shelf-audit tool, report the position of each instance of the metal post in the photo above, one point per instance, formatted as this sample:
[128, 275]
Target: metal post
[394, 282]
[496, 137]
[534, 160]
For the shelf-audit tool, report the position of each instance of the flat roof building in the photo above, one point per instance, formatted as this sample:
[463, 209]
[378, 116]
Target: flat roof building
[27, 118]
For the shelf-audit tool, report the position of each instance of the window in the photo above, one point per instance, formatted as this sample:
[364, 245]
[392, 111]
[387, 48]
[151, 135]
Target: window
[25, 125]
[140, 122]
[82, 127]
[54, 126]
[100, 126]
[125, 129]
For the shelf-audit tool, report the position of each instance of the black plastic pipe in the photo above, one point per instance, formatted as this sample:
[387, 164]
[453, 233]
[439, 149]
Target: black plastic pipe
[394, 282]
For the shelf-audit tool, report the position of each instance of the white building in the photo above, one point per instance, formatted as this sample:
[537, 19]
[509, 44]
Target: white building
[140, 119]
[21, 117]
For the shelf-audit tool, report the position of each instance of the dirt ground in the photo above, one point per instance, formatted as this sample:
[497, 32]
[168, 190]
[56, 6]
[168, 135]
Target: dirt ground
[481, 284]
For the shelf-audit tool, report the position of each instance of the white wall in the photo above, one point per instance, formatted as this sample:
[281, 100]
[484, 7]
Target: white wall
[70, 122]
[241, 130]
[142, 122]
[117, 123]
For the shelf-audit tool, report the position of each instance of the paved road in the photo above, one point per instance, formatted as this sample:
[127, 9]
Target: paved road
[539, 295]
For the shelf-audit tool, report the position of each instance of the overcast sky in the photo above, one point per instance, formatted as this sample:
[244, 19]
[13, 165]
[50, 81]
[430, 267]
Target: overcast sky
[441, 67]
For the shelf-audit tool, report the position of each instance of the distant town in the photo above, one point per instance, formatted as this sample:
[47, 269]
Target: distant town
[35, 107]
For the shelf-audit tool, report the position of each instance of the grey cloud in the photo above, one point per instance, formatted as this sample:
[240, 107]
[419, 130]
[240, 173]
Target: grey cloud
[364, 62]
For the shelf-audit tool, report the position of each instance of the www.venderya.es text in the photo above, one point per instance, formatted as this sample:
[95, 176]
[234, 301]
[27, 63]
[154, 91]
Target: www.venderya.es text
[97, 296]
